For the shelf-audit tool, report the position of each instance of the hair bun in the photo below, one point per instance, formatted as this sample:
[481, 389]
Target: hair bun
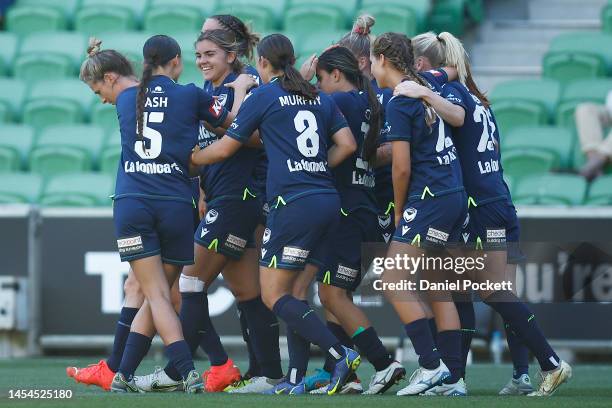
[94, 46]
[363, 25]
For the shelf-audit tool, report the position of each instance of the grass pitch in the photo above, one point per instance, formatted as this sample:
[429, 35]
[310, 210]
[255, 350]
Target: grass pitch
[590, 387]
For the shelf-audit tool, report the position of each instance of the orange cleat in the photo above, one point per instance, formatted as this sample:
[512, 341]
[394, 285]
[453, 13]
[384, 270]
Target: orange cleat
[217, 378]
[94, 374]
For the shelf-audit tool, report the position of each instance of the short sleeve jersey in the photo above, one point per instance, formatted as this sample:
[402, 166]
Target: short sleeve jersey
[229, 178]
[158, 167]
[354, 176]
[296, 133]
[384, 182]
[477, 143]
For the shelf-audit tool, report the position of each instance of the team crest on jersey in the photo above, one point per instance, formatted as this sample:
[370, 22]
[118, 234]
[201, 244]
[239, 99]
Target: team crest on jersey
[384, 221]
[211, 216]
[266, 235]
[410, 214]
[222, 99]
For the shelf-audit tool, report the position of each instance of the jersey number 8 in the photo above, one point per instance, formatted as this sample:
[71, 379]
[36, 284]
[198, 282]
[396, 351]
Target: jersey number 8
[153, 135]
[308, 141]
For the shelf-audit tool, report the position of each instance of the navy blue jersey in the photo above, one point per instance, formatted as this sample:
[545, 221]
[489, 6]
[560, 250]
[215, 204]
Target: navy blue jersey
[384, 182]
[477, 142]
[230, 177]
[435, 168]
[296, 133]
[354, 177]
[172, 117]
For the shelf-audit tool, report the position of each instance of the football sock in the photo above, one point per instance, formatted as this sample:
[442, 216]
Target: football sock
[433, 328]
[136, 348]
[467, 317]
[370, 345]
[518, 351]
[299, 353]
[209, 340]
[179, 355]
[422, 341]
[122, 331]
[449, 344]
[254, 369]
[522, 322]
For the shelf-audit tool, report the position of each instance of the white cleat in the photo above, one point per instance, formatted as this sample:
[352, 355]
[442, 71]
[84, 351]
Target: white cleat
[423, 379]
[384, 379]
[256, 385]
[518, 386]
[457, 389]
[351, 387]
[552, 380]
[158, 381]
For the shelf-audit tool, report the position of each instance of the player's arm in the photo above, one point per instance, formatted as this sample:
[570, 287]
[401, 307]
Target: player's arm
[452, 114]
[400, 174]
[344, 146]
[241, 86]
[222, 149]
[383, 155]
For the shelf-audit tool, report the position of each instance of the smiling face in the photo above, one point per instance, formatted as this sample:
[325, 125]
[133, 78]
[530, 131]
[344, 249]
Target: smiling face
[378, 70]
[214, 62]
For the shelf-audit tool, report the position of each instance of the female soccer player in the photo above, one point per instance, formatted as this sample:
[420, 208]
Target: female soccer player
[158, 121]
[297, 125]
[493, 224]
[224, 239]
[430, 207]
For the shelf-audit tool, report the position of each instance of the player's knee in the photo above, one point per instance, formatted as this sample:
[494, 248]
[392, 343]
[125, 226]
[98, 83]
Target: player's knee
[269, 298]
[330, 296]
[131, 288]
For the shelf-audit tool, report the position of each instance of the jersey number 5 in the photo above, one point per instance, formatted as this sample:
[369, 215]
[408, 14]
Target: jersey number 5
[308, 141]
[153, 135]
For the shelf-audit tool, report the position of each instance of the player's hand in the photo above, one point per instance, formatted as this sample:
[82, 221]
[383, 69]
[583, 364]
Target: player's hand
[194, 151]
[309, 67]
[410, 89]
[244, 82]
[201, 207]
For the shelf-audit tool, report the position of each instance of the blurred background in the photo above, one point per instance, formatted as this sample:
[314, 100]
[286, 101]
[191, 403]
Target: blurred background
[545, 64]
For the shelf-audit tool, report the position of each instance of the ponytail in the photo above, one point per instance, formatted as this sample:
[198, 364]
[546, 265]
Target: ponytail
[293, 81]
[147, 74]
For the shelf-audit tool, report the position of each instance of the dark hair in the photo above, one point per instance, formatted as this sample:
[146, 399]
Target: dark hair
[226, 40]
[278, 49]
[397, 49]
[99, 63]
[343, 59]
[156, 52]
[246, 39]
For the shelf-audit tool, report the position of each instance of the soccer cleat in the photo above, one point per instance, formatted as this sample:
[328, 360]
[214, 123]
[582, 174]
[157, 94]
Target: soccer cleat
[256, 385]
[423, 379]
[120, 384]
[94, 374]
[383, 380]
[243, 381]
[287, 388]
[217, 378]
[552, 380]
[320, 379]
[457, 389]
[158, 381]
[343, 369]
[518, 386]
[351, 387]
[193, 383]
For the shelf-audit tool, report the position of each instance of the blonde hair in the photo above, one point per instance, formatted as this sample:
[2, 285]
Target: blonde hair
[359, 39]
[100, 62]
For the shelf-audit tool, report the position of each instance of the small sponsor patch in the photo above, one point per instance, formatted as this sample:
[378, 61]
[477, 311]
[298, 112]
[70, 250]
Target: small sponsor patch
[410, 214]
[263, 252]
[384, 221]
[204, 232]
[435, 235]
[386, 237]
[346, 273]
[130, 245]
[266, 235]
[216, 108]
[294, 255]
[235, 243]
[211, 216]
[496, 235]
[405, 230]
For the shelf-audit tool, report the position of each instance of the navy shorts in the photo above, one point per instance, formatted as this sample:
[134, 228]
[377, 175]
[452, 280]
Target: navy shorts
[228, 226]
[265, 210]
[343, 267]
[386, 227]
[146, 227]
[300, 232]
[494, 226]
[433, 222]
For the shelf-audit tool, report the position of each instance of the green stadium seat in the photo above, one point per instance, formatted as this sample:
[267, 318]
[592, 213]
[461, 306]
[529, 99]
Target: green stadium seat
[32, 67]
[191, 74]
[525, 102]
[173, 19]
[448, 15]
[257, 17]
[580, 91]
[55, 102]
[306, 19]
[96, 19]
[111, 154]
[130, 44]
[568, 66]
[551, 189]
[4, 114]
[20, 188]
[606, 18]
[30, 19]
[105, 116]
[393, 18]
[78, 189]
[17, 140]
[205, 7]
[475, 10]
[597, 43]
[348, 8]
[12, 96]
[138, 7]
[600, 191]
[315, 42]
[276, 7]
[8, 51]
[421, 8]
[9, 159]
[547, 139]
[522, 162]
[67, 7]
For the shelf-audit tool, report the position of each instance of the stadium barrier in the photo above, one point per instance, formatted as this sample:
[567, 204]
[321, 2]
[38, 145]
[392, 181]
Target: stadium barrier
[75, 278]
